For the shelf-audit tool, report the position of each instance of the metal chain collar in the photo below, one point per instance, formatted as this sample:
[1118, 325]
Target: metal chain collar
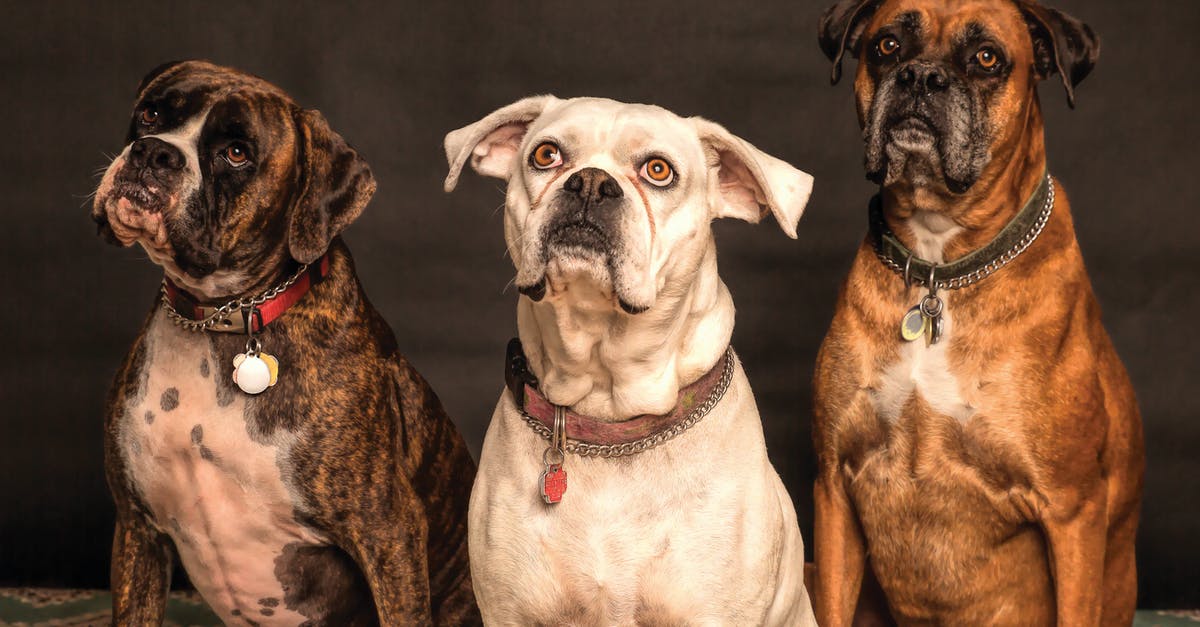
[223, 312]
[992, 266]
[584, 449]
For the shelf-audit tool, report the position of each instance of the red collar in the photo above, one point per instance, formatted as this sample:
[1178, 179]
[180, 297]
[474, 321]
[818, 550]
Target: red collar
[272, 309]
[524, 388]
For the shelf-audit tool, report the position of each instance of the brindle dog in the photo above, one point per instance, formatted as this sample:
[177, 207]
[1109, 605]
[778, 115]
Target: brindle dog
[336, 497]
[993, 477]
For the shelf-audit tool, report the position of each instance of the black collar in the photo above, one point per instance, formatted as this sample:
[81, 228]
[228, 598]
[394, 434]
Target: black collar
[1012, 240]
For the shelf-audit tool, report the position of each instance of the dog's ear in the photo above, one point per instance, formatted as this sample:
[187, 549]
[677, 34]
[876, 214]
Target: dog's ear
[335, 183]
[492, 143]
[746, 183]
[841, 28]
[1061, 44]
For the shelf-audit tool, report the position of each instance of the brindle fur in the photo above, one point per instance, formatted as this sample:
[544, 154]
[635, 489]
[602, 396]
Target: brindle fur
[1025, 512]
[381, 470]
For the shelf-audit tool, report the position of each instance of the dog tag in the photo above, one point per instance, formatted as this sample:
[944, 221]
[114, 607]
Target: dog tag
[931, 309]
[912, 326]
[936, 326]
[553, 483]
[254, 373]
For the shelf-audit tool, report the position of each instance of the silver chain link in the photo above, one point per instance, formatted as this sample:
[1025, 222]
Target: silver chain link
[584, 449]
[223, 312]
[993, 265]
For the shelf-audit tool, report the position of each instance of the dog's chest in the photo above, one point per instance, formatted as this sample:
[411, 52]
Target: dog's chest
[688, 531]
[926, 372]
[219, 492]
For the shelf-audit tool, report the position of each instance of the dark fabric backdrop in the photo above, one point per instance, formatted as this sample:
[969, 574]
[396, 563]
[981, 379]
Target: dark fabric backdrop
[393, 78]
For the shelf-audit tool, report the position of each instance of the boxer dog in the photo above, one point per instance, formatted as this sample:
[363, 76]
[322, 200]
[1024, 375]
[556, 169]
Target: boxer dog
[624, 478]
[264, 428]
[980, 456]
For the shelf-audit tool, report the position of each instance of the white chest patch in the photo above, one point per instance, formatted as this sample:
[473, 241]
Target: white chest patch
[922, 370]
[218, 493]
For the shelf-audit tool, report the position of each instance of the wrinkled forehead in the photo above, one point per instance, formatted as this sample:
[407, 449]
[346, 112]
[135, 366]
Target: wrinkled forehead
[948, 23]
[601, 125]
[233, 102]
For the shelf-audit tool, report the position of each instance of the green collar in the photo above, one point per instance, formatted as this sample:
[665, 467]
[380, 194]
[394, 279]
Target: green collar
[1012, 240]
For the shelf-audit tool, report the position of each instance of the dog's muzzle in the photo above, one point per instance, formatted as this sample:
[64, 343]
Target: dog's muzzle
[153, 170]
[589, 207]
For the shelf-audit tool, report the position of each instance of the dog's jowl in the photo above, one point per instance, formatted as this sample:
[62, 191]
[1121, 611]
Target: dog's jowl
[264, 429]
[979, 446]
[624, 478]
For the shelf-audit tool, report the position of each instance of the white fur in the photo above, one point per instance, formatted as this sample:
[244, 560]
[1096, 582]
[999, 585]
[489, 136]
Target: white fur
[932, 232]
[924, 370]
[230, 517]
[699, 530]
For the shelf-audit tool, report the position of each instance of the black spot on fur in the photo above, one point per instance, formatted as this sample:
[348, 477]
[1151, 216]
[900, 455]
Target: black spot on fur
[206, 453]
[149, 417]
[170, 399]
[204, 367]
[197, 434]
[269, 602]
[324, 585]
[266, 611]
[236, 612]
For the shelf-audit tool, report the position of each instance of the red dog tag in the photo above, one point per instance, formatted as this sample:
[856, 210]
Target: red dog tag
[553, 483]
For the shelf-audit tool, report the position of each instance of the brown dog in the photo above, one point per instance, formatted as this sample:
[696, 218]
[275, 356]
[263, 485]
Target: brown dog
[305, 474]
[988, 471]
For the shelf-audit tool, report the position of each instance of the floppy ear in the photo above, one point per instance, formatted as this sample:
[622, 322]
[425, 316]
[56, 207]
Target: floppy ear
[840, 30]
[492, 143]
[336, 184]
[746, 183]
[1061, 44]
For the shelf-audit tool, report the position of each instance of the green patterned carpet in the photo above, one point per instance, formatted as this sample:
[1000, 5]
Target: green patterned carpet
[22, 607]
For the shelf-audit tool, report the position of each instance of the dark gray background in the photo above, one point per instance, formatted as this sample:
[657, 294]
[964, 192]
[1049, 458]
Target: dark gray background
[394, 78]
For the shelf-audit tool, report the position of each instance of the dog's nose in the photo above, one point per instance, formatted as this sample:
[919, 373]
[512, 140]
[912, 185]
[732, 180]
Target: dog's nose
[922, 76]
[156, 154]
[593, 185]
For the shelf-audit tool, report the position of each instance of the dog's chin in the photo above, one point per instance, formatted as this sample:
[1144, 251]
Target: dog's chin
[912, 151]
[579, 272]
[133, 217]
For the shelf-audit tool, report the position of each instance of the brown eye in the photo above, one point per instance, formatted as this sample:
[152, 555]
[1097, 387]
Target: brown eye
[658, 172]
[888, 46]
[148, 116]
[546, 156]
[987, 58]
[236, 155]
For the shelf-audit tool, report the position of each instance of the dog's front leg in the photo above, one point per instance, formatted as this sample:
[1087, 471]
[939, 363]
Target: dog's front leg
[1076, 535]
[141, 570]
[393, 555]
[839, 550]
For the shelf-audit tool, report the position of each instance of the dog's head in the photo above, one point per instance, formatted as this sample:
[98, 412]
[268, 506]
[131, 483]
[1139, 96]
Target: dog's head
[945, 86]
[618, 194]
[224, 179]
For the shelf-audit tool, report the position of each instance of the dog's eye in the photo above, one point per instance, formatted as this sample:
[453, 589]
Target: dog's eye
[888, 46]
[987, 59]
[658, 172]
[236, 154]
[546, 156]
[148, 116]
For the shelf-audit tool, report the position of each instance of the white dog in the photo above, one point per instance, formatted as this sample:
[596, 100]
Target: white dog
[672, 513]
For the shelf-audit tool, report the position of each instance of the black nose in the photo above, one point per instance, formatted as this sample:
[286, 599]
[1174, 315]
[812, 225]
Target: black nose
[923, 77]
[593, 185]
[156, 154]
